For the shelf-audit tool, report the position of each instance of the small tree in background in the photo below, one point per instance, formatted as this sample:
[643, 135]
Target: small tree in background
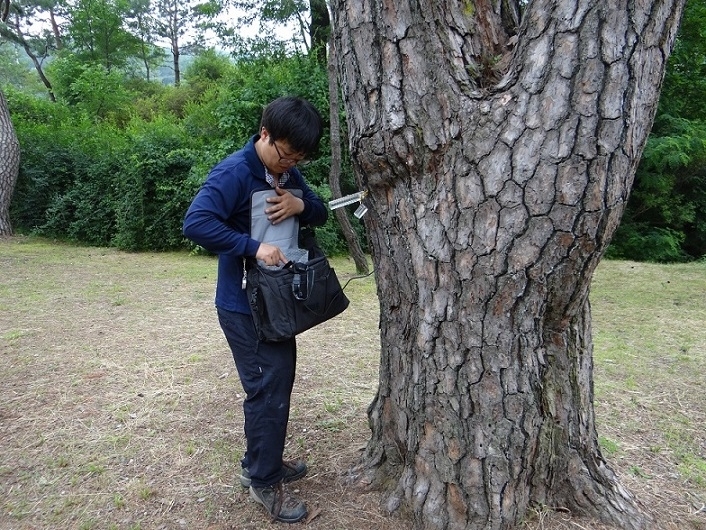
[98, 34]
[33, 26]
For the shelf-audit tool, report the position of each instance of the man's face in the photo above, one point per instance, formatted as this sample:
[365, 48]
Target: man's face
[278, 155]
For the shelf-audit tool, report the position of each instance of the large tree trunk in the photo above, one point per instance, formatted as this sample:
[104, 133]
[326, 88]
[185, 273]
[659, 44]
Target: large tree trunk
[496, 181]
[9, 165]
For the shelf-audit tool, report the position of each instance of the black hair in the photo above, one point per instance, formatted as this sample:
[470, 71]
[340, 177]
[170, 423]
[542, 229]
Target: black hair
[295, 121]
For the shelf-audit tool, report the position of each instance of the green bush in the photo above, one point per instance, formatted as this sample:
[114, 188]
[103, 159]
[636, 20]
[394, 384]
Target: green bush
[155, 187]
[50, 158]
[92, 89]
[665, 219]
[641, 242]
[86, 211]
[46, 171]
[121, 166]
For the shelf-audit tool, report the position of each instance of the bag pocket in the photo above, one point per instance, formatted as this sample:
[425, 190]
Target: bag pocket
[285, 302]
[270, 303]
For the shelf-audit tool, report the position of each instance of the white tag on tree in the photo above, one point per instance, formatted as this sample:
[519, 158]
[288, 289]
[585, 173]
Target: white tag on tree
[361, 210]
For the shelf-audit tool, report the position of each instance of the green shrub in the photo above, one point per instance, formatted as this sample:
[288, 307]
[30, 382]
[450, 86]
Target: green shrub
[155, 187]
[641, 242]
[120, 166]
[92, 89]
[665, 218]
[86, 211]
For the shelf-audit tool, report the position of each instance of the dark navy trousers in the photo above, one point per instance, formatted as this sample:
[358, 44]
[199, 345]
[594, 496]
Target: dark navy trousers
[266, 371]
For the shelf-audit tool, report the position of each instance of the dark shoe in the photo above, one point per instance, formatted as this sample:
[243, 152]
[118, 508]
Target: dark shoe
[279, 504]
[291, 470]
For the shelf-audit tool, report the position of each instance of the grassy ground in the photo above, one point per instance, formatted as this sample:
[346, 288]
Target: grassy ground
[120, 407]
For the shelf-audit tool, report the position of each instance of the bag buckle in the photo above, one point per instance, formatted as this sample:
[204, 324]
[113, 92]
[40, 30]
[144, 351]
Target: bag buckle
[303, 278]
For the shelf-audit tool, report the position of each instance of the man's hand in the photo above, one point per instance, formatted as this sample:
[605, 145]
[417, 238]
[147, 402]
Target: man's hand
[284, 205]
[270, 255]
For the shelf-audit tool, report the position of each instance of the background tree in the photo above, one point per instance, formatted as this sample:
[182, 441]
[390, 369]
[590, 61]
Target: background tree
[175, 20]
[269, 14]
[496, 181]
[98, 34]
[14, 69]
[309, 19]
[33, 26]
[142, 24]
[354, 248]
[9, 149]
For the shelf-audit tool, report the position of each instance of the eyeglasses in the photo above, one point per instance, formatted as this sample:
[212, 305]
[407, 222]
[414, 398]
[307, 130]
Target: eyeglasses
[290, 161]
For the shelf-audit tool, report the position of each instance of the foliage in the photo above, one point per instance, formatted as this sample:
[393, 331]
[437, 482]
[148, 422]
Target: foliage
[99, 185]
[155, 188]
[47, 161]
[684, 88]
[180, 26]
[14, 70]
[642, 242]
[209, 67]
[29, 24]
[119, 165]
[665, 219]
[98, 33]
[91, 88]
[269, 14]
[140, 23]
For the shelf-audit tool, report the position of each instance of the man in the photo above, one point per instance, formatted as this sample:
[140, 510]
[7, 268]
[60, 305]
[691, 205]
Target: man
[219, 219]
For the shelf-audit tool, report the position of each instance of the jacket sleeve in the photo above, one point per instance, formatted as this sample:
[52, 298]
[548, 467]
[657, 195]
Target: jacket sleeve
[212, 219]
[315, 212]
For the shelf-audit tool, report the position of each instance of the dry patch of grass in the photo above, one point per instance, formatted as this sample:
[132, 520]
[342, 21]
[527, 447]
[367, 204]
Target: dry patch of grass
[650, 373]
[121, 409]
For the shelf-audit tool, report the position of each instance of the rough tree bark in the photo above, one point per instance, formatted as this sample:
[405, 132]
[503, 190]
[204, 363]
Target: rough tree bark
[9, 150]
[9, 165]
[496, 180]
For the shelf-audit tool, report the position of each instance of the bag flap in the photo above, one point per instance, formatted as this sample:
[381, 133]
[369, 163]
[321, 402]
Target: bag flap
[285, 234]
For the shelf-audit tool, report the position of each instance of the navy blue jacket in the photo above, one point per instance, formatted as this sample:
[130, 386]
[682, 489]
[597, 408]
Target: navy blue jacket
[219, 218]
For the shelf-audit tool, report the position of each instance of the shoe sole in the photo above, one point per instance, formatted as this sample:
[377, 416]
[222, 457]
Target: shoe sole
[279, 518]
